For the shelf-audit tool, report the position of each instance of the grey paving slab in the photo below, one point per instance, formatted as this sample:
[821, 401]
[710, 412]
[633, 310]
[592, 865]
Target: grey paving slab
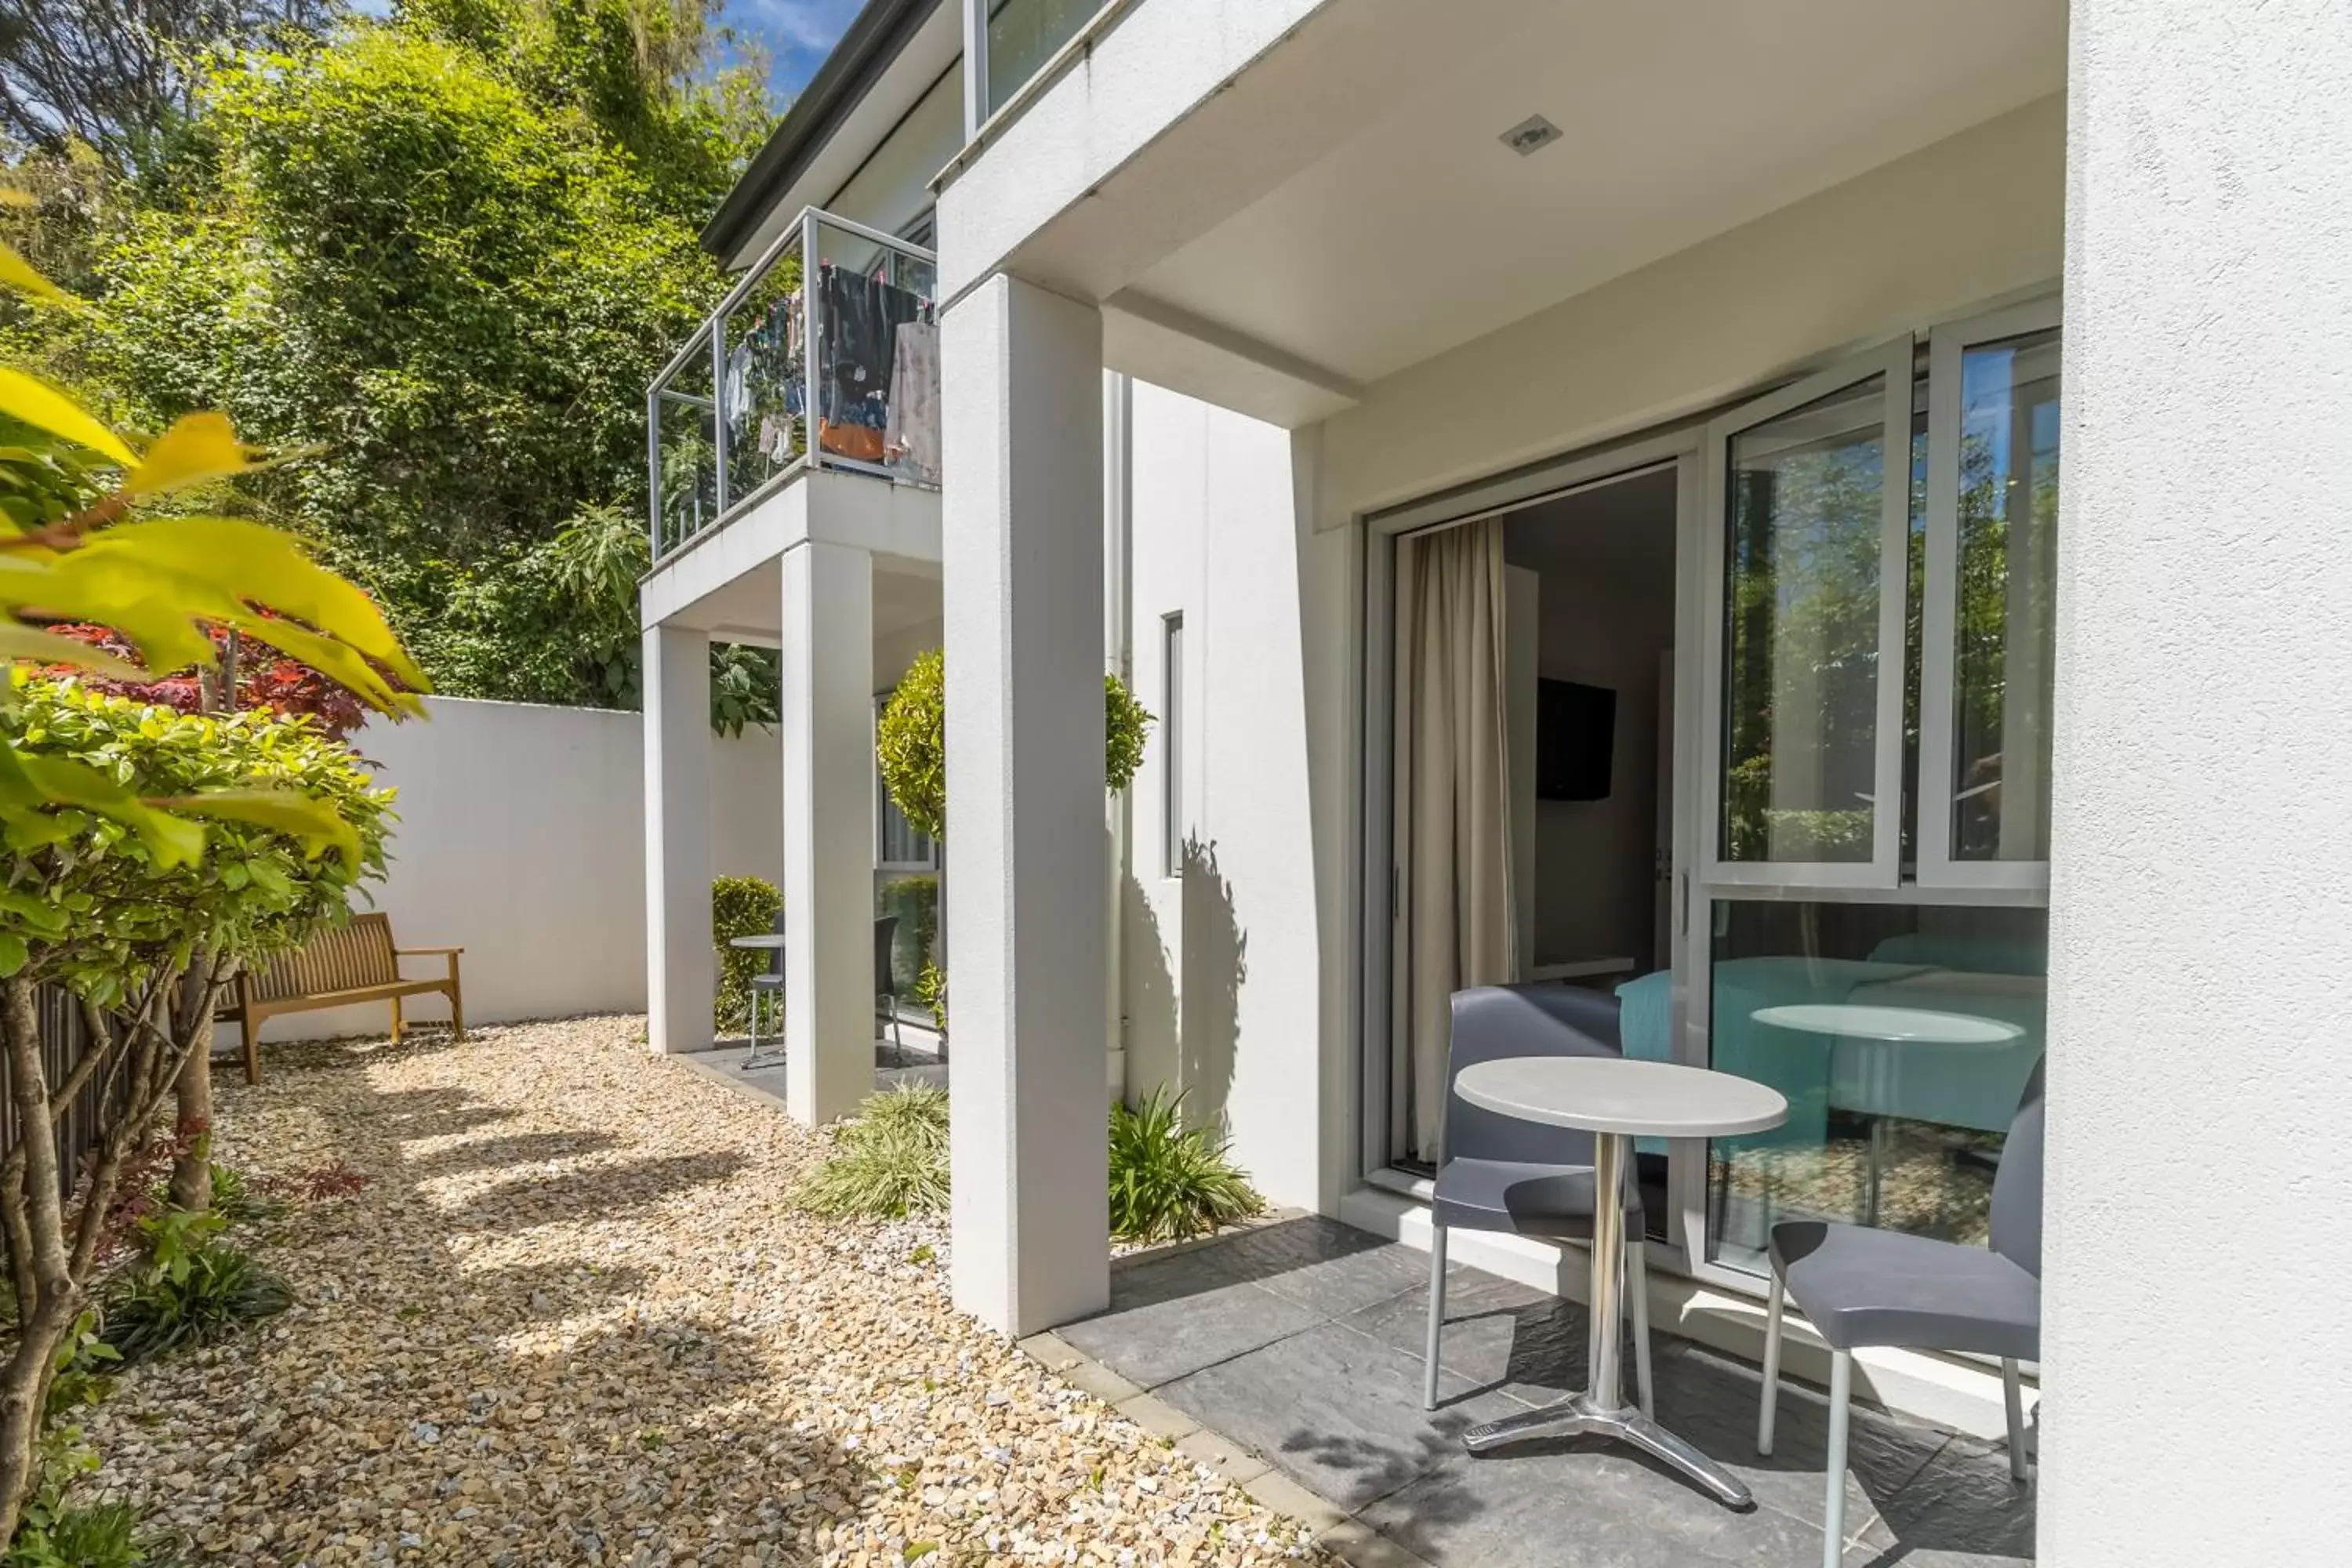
[1499, 1333]
[1712, 1401]
[1169, 1335]
[1335, 1409]
[1322, 1264]
[1582, 1504]
[1961, 1510]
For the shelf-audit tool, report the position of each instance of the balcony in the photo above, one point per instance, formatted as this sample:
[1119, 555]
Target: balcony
[735, 415]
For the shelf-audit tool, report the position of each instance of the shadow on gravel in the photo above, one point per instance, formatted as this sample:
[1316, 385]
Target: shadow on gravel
[575, 1410]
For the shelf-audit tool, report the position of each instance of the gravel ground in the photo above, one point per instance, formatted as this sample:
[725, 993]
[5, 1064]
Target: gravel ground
[571, 1319]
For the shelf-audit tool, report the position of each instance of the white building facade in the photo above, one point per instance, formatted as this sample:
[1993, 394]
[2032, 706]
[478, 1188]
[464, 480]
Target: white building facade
[1665, 405]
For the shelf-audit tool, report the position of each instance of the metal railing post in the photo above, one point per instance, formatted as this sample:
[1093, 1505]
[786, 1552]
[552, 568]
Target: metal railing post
[719, 406]
[812, 323]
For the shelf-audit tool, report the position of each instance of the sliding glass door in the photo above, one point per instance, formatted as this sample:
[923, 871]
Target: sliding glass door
[1870, 937]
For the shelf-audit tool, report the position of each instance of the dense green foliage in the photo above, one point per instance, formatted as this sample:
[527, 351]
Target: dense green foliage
[444, 254]
[1168, 1180]
[188, 1287]
[740, 906]
[888, 1163]
[911, 741]
[96, 906]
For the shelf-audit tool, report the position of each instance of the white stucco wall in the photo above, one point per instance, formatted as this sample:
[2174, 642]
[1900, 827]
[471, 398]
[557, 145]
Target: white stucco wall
[1224, 964]
[2198, 1362]
[521, 839]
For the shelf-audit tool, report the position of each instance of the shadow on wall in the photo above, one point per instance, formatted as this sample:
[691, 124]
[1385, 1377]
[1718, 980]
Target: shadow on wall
[1186, 1036]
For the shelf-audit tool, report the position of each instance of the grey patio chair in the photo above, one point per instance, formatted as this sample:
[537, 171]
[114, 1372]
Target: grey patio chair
[1861, 1286]
[886, 987]
[769, 985]
[1496, 1172]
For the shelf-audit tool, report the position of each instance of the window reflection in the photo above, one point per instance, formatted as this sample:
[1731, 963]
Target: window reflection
[1902, 1036]
[1800, 645]
[2002, 685]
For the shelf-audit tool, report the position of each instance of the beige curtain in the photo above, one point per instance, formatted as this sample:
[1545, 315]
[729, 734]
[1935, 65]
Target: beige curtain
[1453, 839]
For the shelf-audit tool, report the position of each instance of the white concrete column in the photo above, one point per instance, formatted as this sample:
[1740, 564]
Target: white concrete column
[1021, 519]
[2198, 1358]
[681, 965]
[828, 735]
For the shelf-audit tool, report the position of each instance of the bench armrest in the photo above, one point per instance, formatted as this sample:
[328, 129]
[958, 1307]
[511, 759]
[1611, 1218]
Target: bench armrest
[423, 952]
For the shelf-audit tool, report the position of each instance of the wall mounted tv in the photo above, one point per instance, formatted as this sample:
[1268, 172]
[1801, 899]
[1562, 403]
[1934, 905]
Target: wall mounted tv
[1576, 726]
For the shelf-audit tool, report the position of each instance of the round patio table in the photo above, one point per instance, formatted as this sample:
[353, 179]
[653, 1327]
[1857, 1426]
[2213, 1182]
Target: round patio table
[1894, 1027]
[1616, 1100]
[767, 941]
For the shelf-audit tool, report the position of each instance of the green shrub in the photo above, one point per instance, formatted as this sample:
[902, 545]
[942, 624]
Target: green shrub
[189, 1289]
[910, 743]
[100, 1535]
[889, 1163]
[1168, 1182]
[240, 1201]
[740, 906]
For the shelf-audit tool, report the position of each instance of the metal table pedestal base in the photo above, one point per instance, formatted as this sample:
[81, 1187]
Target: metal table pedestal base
[1577, 1415]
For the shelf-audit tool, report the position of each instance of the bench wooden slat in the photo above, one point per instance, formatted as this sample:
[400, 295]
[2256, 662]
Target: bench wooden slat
[355, 962]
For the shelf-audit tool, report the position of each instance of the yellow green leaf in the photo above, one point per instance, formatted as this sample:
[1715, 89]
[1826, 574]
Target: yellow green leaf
[46, 408]
[19, 274]
[313, 822]
[16, 196]
[253, 562]
[199, 447]
[32, 782]
[20, 641]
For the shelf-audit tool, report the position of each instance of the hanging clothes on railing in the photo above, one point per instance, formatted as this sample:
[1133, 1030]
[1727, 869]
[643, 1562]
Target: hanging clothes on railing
[910, 439]
[858, 318]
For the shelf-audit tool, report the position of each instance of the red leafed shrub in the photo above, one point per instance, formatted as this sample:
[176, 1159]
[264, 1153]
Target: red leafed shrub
[265, 678]
[336, 1180]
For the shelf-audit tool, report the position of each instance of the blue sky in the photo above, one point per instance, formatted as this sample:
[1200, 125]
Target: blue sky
[799, 33]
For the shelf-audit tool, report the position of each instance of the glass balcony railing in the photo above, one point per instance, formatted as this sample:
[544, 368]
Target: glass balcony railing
[1021, 35]
[738, 409]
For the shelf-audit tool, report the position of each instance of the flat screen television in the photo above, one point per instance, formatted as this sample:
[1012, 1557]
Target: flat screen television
[1576, 727]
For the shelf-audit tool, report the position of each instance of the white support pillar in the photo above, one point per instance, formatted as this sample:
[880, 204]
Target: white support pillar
[681, 966]
[1021, 519]
[828, 735]
[2197, 1359]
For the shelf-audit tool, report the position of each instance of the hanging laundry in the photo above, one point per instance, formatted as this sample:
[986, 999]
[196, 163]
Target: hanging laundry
[911, 436]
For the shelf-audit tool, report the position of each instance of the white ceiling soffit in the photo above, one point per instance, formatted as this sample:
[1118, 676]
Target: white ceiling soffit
[1678, 122]
[936, 47]
[1156, 342]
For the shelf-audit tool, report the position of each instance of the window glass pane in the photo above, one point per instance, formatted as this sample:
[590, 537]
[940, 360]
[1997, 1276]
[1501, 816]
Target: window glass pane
[1800, 660]
[914, 943]
[1022, 35]
[1902, 1036]
[1174, 821]
[2008, 569]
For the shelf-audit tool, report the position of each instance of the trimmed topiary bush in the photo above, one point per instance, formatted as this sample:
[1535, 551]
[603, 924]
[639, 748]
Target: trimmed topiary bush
[911, 741]
[740, 906]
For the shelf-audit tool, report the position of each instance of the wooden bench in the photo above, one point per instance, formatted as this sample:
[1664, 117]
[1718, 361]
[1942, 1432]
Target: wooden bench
[341, 965]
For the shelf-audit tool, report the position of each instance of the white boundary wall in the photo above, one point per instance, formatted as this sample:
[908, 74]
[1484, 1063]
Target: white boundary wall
[521, 839]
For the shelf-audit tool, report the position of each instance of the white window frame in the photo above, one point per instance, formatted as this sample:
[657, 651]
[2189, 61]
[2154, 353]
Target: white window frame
[1892, 361]
[1175, 820]
[883, 807]
[1939, 615]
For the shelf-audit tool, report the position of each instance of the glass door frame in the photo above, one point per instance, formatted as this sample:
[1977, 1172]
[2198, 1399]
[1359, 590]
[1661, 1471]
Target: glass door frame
[1677, 448]
[1892, 362]
[1948, 344]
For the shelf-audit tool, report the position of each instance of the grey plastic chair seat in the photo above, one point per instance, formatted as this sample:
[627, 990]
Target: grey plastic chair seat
[1495, 1172]
[1521, 1197]
[1861, 1287]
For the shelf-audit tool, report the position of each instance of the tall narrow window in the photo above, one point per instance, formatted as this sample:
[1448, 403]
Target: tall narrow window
[1171, 744]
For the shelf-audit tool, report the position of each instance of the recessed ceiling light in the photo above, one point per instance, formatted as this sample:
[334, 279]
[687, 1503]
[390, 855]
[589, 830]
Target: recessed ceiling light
[1529, 134]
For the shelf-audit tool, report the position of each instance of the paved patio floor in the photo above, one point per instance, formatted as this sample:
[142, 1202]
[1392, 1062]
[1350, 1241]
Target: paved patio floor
[1302, 1341]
